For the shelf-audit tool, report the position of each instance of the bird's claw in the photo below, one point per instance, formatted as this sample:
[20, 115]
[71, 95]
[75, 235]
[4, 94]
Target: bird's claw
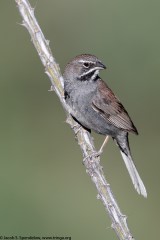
[91, 156]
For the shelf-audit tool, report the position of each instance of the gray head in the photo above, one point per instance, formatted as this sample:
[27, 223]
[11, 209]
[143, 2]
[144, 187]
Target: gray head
[83, 67]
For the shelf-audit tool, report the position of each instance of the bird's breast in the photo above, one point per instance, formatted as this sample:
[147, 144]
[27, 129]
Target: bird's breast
[80, 101]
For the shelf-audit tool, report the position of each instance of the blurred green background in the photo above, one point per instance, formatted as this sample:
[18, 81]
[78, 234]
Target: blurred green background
[44, 189]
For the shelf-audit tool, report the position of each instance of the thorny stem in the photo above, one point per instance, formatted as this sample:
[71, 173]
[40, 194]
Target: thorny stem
[85, 141]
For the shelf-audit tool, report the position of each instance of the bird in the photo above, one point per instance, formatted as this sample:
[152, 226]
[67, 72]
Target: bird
[95, 107]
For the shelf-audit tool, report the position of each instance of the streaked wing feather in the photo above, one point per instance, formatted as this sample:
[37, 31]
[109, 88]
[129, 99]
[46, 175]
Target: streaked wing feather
[110, 108]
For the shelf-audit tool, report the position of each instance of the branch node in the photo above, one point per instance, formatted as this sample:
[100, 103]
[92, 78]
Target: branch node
[76, 127]
[98, 196]
[52, 89]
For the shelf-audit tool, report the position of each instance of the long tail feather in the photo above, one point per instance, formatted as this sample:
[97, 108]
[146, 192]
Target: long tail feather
[137, 181]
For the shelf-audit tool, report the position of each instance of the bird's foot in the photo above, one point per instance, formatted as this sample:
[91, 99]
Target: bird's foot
[91, 156]
[76, 127]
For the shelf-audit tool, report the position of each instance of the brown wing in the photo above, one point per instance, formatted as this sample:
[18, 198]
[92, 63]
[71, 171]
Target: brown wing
[110, 108]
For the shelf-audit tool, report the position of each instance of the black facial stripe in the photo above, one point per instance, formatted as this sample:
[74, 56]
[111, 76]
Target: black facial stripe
[87, 75]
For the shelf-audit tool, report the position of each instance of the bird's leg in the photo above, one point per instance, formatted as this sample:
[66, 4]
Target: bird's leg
[97, 154]
[104, 143]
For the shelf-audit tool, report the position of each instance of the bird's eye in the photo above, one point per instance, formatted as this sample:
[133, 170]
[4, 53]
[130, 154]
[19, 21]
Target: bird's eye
[86, 64]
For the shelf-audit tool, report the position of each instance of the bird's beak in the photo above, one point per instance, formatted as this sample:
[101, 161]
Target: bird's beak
[100, 66]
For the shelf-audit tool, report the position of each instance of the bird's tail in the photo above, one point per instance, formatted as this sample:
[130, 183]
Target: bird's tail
[126, 155]
[137, 181]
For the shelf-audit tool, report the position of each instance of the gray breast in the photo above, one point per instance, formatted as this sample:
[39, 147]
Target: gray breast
[80, 101]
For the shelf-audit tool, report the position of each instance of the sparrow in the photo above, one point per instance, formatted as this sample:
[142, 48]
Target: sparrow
[95, 107]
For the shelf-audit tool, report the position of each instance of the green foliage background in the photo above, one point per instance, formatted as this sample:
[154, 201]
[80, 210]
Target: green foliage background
[44, 189]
